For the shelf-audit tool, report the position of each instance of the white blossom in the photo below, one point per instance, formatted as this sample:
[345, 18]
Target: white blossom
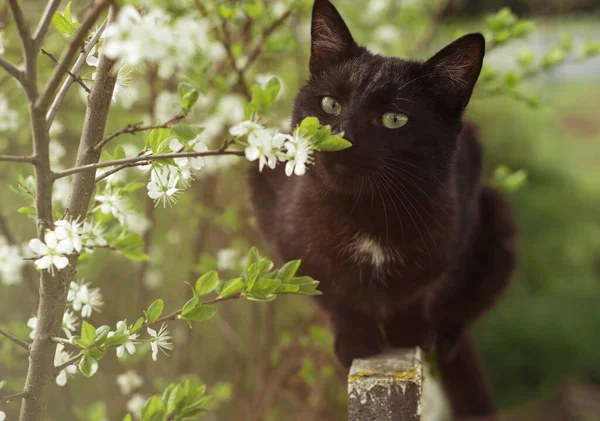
[299, 153]
[84, 299]
[68, 232]
[135, 405]
[245, 128]
[265, 145]
[52, 252]
[113, 203]
[163, 186]
[60, 358]
[159, 340]
[11, 263]
[129, 345]
[2, 416]
[69, 323]
[228, 259]
[129, 381]
[92, 234]
[198, 145]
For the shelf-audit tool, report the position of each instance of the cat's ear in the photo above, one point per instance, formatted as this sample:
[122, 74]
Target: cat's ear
[331, 41]
[455, 69]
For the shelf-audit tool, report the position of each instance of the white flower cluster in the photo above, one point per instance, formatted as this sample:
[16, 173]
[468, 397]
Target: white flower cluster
[66, 238]
[129, 381]
[269, 147]
[11, 263]
[84, 299]
[69, 324]
[166, 181]
[154, 37]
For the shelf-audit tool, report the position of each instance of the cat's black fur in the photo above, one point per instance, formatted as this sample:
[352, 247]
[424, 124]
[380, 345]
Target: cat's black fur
[409, 246]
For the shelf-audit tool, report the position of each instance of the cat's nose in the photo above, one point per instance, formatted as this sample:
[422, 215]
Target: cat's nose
[348, 132]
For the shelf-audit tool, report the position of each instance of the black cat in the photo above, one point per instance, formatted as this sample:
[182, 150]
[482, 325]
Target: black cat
[409, 246]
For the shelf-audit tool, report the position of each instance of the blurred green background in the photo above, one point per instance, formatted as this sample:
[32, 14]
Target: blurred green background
[273, 361]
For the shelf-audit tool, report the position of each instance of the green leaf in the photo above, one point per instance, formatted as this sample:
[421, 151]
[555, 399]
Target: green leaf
[136, 256]
[309, 125]
[117, 340]
[133, 186]
[101, 335]
[67, 12]
[308, 372]
[137, 325]
[127, 418]
[88, 333]
[62, 25]
[287, 271]
[253, 258]
[265, 286]
[272, 90]
[176, 400]
[333, 143]
[96, 353]
[155, 310]
[187, 131]
[27, 210]
[188, 95]
[287, 289]
[259, 297]
[155, 138]
[88, 366]
[200, 313]
[231, 288]
[119, 153]
[154, 410]
[207, 283]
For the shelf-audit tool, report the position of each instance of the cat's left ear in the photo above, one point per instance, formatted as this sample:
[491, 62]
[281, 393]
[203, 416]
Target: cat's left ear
[331, 41]
[455, 69]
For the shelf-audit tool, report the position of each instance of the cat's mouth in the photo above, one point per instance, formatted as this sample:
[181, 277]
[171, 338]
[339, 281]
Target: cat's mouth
[344, 171]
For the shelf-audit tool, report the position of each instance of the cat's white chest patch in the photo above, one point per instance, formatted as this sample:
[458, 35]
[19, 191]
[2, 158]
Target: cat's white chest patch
[366, 249]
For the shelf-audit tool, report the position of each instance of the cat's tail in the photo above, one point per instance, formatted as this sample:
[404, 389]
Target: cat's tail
[465, 383]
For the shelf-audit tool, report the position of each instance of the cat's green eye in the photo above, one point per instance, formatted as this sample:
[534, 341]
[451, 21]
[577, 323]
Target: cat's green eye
[394, 120]
[331, 105]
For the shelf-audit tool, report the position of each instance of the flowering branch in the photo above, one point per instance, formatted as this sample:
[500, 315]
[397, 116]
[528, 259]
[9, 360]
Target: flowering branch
[16, 340]
[70, 73]
[137, 127]
[142, 160]
[65, 61]
[11, 158]
[72, 361]
[44, 23]
[69, 81]
[9, 398]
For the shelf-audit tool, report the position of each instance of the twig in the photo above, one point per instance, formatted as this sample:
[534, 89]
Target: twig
[24, 32]
[176, 315]
[116, 170]
[9, 398]
[76, 67]
[69, 363]
[226, 41]
[136, 127]
[26, 189]
[11, 69]
[16, 340]
[142, 160]
[12, 158]
[65, 60]
[44, 23]
[78, 79]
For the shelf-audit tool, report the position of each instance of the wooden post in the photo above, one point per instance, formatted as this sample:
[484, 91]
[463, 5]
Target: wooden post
[386, 387]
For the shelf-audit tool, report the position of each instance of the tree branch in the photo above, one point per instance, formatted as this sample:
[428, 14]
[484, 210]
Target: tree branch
[75, 45]
[29, 77]
[69, 72]
[136, 127]
[22, 27]
[9, 398]
[16, 340]
[13, 158]
[42, 28]
[11, 69]
[142, 160]
[76, 67]
[69, 363]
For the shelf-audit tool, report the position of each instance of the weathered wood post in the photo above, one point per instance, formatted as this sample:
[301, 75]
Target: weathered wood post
[386, 387]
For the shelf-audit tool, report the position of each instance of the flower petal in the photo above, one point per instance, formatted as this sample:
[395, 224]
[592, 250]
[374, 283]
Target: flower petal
[60, 262]
[38, 246]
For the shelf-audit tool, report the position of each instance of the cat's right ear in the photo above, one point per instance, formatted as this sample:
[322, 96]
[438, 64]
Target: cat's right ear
[331, 41]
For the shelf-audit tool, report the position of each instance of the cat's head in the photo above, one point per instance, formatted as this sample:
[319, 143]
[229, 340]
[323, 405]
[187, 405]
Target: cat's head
[402, 117]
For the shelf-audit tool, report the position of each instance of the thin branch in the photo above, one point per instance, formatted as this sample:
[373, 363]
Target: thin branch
[142, 160]
[115, 170]
[22, 27]
[76, 67]
[11, 69]
[13, 158]
[69, 363]
[255, 53]
[226, 41]
[9, 398]
[136, 127]
[65, 60]
[44, 23]
[70, 73]
[16, 340]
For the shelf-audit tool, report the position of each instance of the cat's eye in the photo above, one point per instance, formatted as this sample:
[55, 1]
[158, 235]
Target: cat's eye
[331, 106]
[394, 120]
